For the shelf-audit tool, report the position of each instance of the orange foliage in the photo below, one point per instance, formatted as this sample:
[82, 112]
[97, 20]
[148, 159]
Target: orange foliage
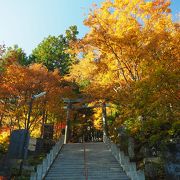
[19, 84]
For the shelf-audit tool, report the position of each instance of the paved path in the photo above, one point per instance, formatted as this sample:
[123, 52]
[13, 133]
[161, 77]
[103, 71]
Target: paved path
[97, 163]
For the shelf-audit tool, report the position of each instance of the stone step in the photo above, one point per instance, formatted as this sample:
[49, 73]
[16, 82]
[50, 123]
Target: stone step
[100, 164]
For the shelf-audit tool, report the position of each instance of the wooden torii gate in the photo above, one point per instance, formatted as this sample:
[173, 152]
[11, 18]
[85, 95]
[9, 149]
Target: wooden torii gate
[70, 106]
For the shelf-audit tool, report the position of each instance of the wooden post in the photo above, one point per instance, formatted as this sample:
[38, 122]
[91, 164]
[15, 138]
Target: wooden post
[66, 137]
[105, 128]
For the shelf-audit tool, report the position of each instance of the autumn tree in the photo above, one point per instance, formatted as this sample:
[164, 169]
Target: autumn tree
[19, 84]
[130, 57]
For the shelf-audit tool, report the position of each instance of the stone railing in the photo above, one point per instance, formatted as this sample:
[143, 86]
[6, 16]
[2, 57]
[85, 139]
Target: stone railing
[43, 168]
[128, 167]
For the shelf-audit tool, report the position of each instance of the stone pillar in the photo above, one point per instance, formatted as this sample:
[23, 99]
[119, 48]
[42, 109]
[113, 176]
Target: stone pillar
[131, 148]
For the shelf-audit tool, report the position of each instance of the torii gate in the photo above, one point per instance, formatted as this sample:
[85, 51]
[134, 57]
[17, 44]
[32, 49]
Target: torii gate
[70, 106]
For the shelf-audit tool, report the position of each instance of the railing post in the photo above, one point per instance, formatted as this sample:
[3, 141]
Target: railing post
[128, 167]
[49, 160]
[45, 163]
[39, 172]
[44, 167]
[33, 176]
[140, 174]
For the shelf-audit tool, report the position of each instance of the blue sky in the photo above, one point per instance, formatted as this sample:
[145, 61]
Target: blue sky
[28, 22]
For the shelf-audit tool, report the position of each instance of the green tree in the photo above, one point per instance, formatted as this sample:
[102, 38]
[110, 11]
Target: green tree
[52, 51]
[15, 54]
[2, 62]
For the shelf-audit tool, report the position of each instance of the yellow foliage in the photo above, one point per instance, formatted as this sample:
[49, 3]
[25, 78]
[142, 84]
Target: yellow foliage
[4, 135]
[98, 118]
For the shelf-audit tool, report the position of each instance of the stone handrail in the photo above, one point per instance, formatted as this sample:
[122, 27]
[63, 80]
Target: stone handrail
[43, 168]
[128, 167]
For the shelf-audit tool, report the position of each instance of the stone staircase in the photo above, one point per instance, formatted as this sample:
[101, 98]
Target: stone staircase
[88, 161]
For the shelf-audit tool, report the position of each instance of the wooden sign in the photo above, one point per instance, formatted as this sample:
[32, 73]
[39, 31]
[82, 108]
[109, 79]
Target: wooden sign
[48, 131]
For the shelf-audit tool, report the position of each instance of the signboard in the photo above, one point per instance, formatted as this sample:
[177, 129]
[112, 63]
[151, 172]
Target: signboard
[66, 100]
[48, 130]
[19, 141]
